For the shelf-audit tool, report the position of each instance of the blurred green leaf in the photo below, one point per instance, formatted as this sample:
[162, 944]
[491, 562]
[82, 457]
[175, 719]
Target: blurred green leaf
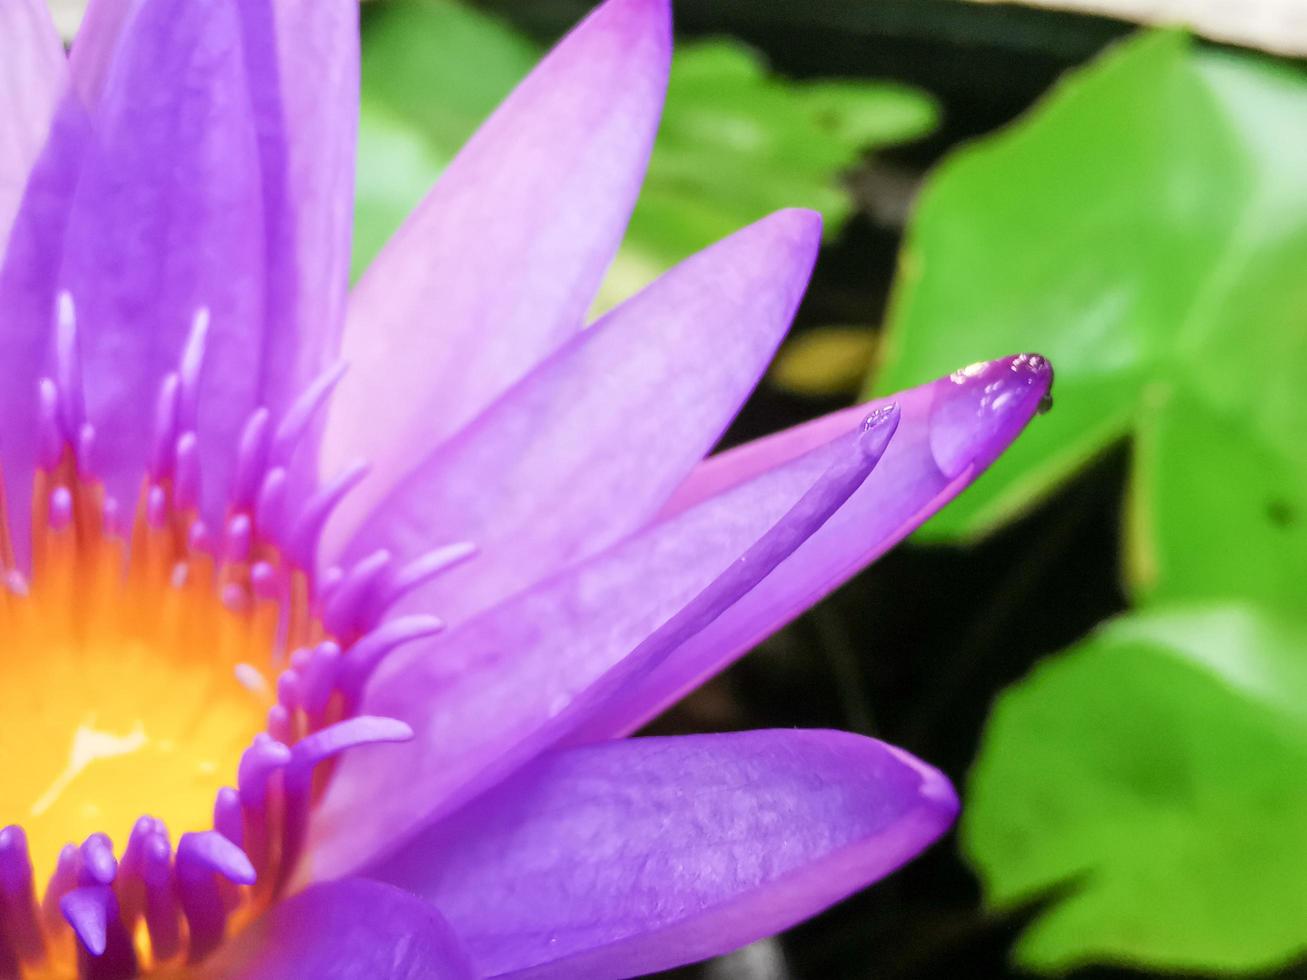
[735, 143]
[432, 71]
[1149, 785]
[1233, 524]
[440, 66]
[396, 167]
[1146, 228]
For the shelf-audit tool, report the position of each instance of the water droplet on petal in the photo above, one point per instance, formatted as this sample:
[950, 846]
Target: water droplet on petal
[979, 409]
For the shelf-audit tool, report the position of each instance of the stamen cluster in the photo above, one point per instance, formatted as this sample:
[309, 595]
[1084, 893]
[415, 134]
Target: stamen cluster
[165, 591]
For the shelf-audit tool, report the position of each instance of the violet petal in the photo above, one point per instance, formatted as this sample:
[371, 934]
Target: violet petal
[168, 219]
[343, 930]
[96, 42]
[302, 61]
[499, 264]
[604, 431]
[639, 855]
[485, 698]
[951, 430]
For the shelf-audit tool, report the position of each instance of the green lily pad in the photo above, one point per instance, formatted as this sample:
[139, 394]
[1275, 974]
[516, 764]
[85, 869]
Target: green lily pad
[1148, 786]
[1234, 523]
[440, 66]
[1145, 228]
[736, 141]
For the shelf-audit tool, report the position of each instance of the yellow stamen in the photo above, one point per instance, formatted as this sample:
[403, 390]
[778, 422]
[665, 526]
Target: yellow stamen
[125, 689]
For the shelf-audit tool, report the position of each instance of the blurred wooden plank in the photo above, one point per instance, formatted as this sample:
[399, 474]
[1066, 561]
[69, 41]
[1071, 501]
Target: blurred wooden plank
[1278, 26]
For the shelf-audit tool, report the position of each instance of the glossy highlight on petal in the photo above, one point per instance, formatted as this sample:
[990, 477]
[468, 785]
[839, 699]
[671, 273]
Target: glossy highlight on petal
[950, 431]
[982, 407]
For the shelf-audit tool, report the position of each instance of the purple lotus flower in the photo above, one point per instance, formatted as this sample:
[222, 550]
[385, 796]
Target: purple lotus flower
[213, 617]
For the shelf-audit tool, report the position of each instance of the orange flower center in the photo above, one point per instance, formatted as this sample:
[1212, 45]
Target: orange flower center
[130, 682]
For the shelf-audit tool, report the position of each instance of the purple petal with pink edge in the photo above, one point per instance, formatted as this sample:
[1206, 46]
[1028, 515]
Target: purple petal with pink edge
[952, 429]
[591, 444]
[499, 264]
[168, 218]
[29, 279]
[629, 857]
[487, 697]
[343, 930]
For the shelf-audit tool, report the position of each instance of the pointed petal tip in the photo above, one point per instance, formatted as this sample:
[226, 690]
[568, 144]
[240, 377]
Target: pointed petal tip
[877, 430]
[640, 28]
[980, 409]
[651, 17]
[803, 224]
[935, 793]
[788, 239]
